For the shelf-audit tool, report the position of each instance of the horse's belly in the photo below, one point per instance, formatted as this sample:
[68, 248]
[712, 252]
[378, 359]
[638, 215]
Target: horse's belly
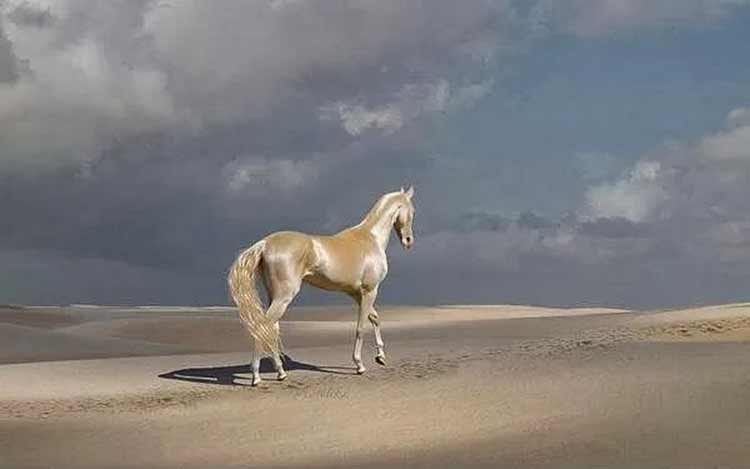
[332, 284]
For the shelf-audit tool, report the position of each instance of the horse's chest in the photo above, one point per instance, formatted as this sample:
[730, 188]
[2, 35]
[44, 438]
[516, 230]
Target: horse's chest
[374, 271]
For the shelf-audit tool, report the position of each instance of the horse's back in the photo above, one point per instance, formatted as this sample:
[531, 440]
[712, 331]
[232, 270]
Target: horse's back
[287, 238]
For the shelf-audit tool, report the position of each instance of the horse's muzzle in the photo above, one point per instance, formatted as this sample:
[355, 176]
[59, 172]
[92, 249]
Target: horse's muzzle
[407, 241]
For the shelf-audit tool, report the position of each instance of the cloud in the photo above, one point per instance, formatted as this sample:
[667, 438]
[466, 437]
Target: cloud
[636, 197]
[249, 174]
[685, 193]
[413, 101]
[75, 96]
[27, 14]
[337, 50]
[732, 145]
[614, 227]
[8, 64]
[128, 70]
[739, 117]
[131, 69]
[356, 118]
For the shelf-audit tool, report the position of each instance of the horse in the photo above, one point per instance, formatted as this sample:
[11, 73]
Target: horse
[352, 261]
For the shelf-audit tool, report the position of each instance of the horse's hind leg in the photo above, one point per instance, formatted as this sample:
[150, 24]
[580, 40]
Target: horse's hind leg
[257, 354]
[274, 313]
[280, 373]
[282, 285]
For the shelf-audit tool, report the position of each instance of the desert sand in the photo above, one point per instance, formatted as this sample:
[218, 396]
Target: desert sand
[494, 386]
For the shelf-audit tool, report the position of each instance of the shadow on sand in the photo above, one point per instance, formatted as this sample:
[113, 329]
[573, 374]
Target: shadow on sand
[227, 375]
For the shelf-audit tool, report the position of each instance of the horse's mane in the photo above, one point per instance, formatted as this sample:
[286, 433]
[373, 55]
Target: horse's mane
[383, 204]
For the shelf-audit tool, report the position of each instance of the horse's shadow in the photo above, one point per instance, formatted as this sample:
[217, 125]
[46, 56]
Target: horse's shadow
[227, 375]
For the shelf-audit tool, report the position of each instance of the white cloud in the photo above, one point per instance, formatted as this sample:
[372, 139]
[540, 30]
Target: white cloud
[732, 144]
[356, 118]
[739, 117]
[696, 193]
[411, 102]
[251, 175]
[635, 197]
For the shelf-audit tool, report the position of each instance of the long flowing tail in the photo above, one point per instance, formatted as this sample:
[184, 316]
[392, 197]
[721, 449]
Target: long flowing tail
[241, 281]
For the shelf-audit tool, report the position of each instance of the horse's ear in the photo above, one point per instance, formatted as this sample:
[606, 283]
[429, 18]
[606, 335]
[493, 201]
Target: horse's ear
[410, 192]
[402, 189]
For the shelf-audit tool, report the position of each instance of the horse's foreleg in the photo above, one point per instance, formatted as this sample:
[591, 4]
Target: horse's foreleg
[368, 304]
[357, 355]
[367, 311]
[375, 321]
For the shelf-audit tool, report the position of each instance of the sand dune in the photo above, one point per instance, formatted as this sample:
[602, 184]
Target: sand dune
[705, 324]
[31, 344]
[32, 317]
[497, 385]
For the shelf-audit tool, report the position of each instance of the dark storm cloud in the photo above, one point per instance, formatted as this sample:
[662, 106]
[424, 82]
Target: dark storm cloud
[26, 14]
[481, 221]
[616, 227]
[168, 136]
[260, 75]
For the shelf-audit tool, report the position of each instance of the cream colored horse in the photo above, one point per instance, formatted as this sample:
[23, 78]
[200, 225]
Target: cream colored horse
[352, 261]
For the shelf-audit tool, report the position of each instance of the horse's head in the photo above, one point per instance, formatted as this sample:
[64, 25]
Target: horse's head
[405, 218]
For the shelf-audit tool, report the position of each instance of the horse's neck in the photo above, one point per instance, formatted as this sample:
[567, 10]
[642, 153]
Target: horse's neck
[379, 221]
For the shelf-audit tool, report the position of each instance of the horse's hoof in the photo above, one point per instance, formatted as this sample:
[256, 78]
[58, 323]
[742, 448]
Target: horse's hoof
[282, 376]
[361, 370]
[255, 382]
[380, 360]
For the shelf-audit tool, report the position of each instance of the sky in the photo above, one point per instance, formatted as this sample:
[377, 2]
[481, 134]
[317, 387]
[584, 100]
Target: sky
[563, 152]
